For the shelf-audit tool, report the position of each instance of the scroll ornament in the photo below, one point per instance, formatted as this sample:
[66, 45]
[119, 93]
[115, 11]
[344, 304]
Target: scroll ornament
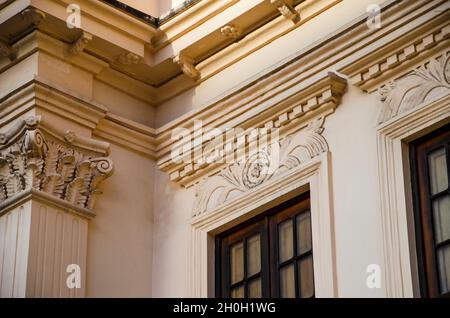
[258, 168]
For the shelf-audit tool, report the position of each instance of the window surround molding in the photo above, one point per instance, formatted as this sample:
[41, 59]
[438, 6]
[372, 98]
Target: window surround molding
[422, 109]
[314, 176]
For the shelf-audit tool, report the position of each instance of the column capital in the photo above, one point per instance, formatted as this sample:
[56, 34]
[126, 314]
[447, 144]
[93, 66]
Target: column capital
[61, 164]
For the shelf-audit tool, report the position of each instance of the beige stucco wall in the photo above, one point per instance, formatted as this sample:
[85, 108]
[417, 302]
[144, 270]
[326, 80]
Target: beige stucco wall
[120, 241]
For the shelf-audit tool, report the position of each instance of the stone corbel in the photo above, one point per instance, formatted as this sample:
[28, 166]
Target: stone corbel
[187, 66]
[80, 44]
[33, 16]
[65, 167]
[286, 10]
[7, 51]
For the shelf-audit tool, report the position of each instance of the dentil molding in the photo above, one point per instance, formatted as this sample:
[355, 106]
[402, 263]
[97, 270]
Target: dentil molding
[65, 166]
[288, 114]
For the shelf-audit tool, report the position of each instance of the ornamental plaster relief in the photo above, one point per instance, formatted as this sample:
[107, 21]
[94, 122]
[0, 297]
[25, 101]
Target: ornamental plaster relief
[427, 82]
[240, 177]
[70, 168]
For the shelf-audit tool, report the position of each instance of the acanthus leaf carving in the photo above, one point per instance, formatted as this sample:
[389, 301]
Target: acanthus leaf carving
[271, 162]
[413, 89]
[30, 160]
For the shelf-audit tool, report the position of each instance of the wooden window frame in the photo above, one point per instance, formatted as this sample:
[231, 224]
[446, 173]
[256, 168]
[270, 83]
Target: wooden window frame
[422, 206]
[267, 223]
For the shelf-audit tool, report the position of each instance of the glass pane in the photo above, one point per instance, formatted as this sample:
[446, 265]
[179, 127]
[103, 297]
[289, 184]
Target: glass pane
[285, 241]
[303, 233]
[441, 216]
[443, 255]
[287, 282]
[237, 263]
[253, 255]
[438, 171]
[254, 288]
[237, 292]
[306, 275]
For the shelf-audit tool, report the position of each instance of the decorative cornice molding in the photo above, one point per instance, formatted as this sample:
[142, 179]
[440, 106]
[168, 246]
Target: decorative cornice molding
[69, 168]
[412, 90]
[187, 66]
[287, 111]
[294, 150]
[286, 10]
[370, 76]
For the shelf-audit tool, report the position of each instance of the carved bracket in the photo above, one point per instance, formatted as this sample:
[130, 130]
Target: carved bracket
[7, 51]
[230, 31]
[80, 44]
[412, 90]
[128, 58]
[187, 66]
[65, 168]
[241, 177]
[286, 10]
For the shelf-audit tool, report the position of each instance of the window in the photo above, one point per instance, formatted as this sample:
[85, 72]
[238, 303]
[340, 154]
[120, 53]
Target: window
[269, 256]
[431, 170]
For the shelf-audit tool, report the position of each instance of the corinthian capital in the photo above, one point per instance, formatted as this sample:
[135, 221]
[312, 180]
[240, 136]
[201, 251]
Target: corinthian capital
[65, 166]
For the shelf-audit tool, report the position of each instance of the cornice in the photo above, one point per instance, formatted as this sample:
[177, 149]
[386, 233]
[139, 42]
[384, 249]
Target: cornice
[101, 13]
[39, 95]
[390, 61]
[128, 134]
[287, 108]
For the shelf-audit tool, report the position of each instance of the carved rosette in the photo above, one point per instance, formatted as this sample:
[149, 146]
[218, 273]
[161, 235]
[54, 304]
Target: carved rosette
[272, 162]
[30, 160]
[426, 82]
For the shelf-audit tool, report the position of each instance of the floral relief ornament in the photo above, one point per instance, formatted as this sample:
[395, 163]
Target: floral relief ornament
[426, 82]
[272, 162]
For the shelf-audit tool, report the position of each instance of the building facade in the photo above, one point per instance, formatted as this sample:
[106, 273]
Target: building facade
[224, 148]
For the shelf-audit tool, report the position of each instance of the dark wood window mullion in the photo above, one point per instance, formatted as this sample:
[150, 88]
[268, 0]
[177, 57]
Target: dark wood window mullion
[267, 227]
[424, 203]
[296, 275]
[428, 219]
[432, 199]
[245, 268]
